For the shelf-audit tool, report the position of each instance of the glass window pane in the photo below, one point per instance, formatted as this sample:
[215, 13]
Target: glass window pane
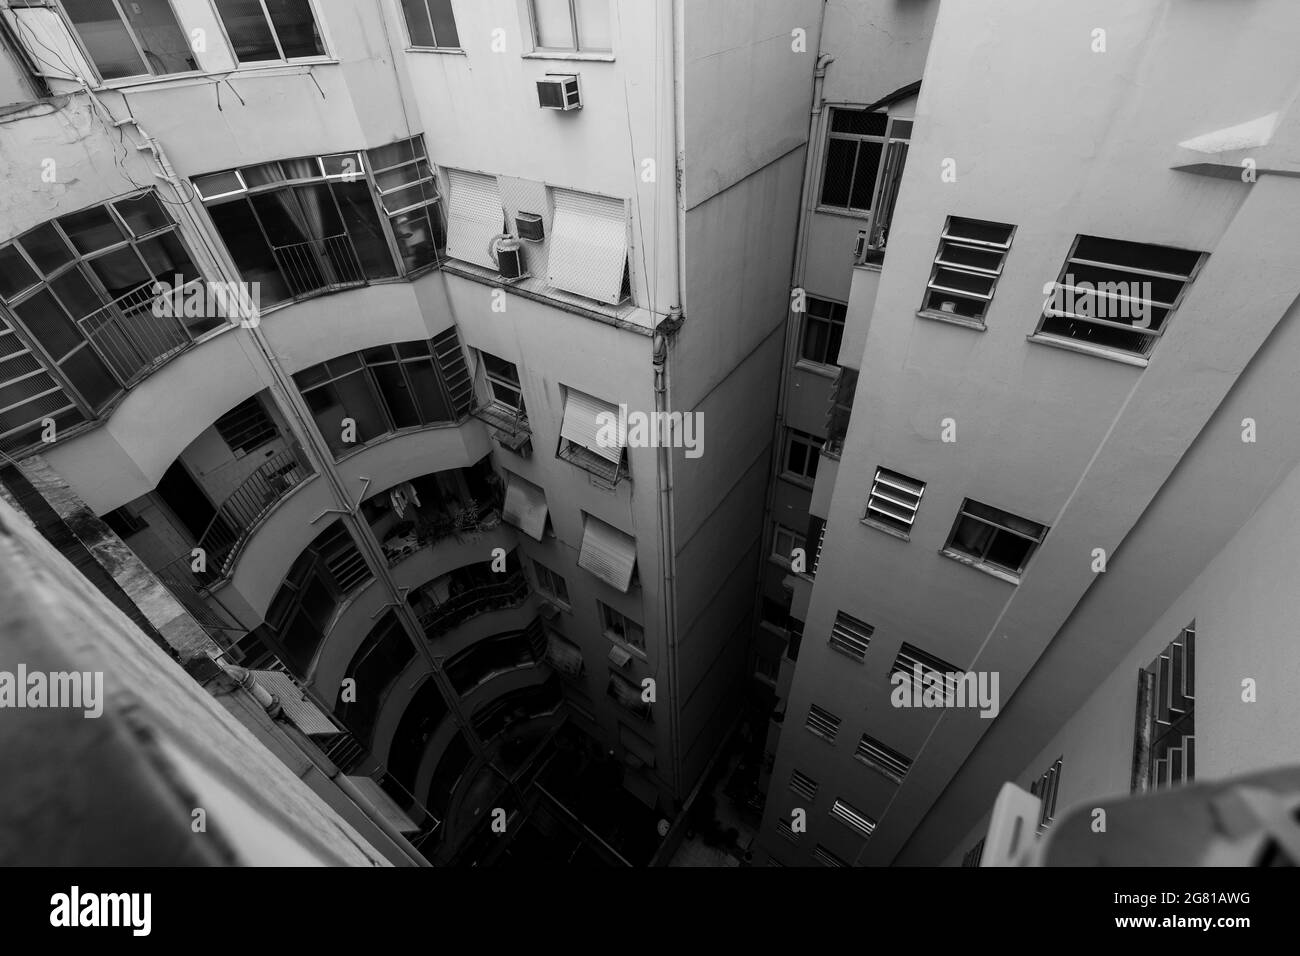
[91, 377]
[263, 175]
[49, 324]
[106, 38]
[218, 184]
[859, 122]
[864, 182]
[347, 398]
[397, 397]
[428, 389]
[296, 27]
[120, 271]
[347, 165]
[444, 23]
[814, 340]
[143, 214]
[382, 157]
[838, 177]
[411, 196]
[1009, 551]
[363, 227]
[91, 229]
[417, 23]
[593, 25]
[553, 24]
[248, 30]
[971, 537]
[166, 48]
[76, 294]
[252, 255]
[417, 237]
[408, 173]
[15, 274]
[46, 247]
[166, 258]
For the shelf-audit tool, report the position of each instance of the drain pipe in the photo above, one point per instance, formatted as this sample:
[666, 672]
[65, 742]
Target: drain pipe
[662, 344]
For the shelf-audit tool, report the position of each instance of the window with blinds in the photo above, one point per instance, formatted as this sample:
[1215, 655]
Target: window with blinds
[593, 436]
[1045, 788]
[607, 553]
[851, 637]
[475, 217]
[525, 506]
[588, 246]
[967, 268]
[784, 828]
[826, 858]
[1164, 752]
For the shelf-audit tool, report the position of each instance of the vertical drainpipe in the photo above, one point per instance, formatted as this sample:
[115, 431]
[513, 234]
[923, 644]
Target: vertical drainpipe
[661, 347]
[293, 405]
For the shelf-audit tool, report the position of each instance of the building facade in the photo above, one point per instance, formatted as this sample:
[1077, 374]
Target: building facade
[318, 306]
[1056, 528]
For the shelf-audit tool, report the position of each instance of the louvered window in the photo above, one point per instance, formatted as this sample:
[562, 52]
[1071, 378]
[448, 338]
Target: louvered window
[826, 858]
[822, 722]
[894, 500]
[966, 268]
[933, 670]
[1165, 748]
[850, 636]
[803, 785]
[607, 553]
[852, 818]
[1045, 788]
[885, 759]
[246, 427]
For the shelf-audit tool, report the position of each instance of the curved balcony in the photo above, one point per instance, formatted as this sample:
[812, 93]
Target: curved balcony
[508, 593]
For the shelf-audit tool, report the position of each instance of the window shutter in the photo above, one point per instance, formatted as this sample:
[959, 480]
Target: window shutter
[588, 253]
[525, 507]
[608, 553]
[581, 425]
[475, 217]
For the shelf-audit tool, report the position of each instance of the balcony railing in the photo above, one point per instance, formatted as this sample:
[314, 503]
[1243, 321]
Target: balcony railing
[411, 536]
[459, 608]
[320, 265]
[135, 338]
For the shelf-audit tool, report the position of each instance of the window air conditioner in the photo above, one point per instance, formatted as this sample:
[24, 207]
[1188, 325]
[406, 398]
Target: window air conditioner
[528, 225]
[559, 91]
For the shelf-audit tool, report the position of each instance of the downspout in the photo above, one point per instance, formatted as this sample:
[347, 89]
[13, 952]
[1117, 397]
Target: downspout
[662, 340]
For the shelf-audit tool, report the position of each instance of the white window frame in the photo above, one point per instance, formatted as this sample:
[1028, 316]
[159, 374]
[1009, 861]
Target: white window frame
[576, 48]
[1003, 249]
[313, 5]
[979, 562]
[814, 445]
[610, 617]
[830, 321]
[545, 577]
[780, 555]
[84, 50]
[887, 491]
[438, 45]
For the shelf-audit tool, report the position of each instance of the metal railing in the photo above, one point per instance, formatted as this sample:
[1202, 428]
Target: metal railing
[133, 339]
[255, 496]
[464, 522]
[319, 265]
[459, 608]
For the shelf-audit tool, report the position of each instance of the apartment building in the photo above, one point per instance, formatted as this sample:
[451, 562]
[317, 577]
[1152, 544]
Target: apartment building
[1070, 458]
[317, 306]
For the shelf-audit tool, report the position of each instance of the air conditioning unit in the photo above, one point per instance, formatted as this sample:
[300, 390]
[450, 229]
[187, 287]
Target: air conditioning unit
[559, 91]
[528, 225]
[509, 257]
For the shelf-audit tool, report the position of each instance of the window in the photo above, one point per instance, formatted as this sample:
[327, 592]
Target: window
[853, 152]
[431, 23]
[966, 268]
[383, 390]
[123, 523]
[475, 217]
[823, 330]
[550, 583]
[82, 287]
[801, 454]
[1117, 295]
[822, 722]
[593, 436]
[620, 628]
[887, 187]
[627, 695]
[839, 411]
[768, 668]
[850, 636]
[301, 227]
[588, 246]
[888, 761]
[784, 828]
[607, 553]
[826, 858]
[261, 30]
[131, 37]
[894, 500]
[933, 671]
[525, 507]
[816, 538]
[855, 820]
[974, 854]
[408, 194]
[383, 654]
[1165, 738]
[1045, 788]
[246, 427]
[573, 25]
[803, 785]
[784, 541]
[989, 538]
[563, 654]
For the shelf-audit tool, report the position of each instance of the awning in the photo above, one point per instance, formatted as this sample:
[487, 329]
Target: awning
[297, 706]
[525, 507]
[588, 253]
[384, 804]
[564, 656]
[618, 656]
[585, 424]
[608, 553]
[475, 217]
